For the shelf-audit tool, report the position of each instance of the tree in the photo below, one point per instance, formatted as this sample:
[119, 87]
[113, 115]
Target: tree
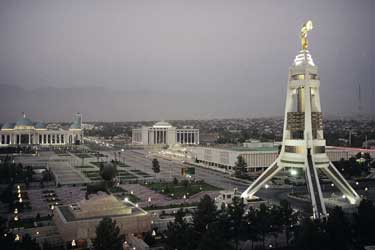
[340, 236]
[364, 221]
[311, 236]
[155, 166]
[28, 243]
[175, 181]
[180, 234]
[204, 214]
[288, 218]
[263, 222]
[214, 238]
[235, 213]
[240, 167]
[108, 236]
[250, 227]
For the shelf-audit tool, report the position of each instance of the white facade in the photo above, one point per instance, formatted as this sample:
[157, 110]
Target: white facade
[257, 159]
[163, 133]
[26, 132]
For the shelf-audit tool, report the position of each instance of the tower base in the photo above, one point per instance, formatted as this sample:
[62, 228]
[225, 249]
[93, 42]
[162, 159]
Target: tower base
[312, 181]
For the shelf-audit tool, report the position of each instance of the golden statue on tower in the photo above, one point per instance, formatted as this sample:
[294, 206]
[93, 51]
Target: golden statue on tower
[305, 28]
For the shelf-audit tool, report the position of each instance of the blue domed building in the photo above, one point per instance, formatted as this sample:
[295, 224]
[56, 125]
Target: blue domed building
[27, 132]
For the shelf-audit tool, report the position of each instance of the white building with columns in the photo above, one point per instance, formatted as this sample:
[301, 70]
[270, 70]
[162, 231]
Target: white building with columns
[26, 132]
[163, 133]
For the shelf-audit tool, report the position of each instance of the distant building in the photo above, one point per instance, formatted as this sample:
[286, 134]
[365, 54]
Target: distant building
[163, 133]
[26, 132]
[258, 144]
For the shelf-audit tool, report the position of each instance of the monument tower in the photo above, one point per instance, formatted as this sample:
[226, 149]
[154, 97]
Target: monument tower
[303, 142]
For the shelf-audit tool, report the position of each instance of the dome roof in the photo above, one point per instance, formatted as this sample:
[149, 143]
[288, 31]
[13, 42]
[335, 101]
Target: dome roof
[40, 125]
[162, 124]
[303, 57]
[8, 125]
[24, 121]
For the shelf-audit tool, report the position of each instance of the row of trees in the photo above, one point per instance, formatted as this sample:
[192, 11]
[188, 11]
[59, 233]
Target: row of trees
[11, 172]
[224, 229]
[215, 229]
[356, 166]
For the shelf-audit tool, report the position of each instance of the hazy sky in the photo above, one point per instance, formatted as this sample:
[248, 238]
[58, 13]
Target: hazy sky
[174, 59]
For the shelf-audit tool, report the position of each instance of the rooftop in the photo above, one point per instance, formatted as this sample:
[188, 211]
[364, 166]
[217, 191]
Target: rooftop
[98, 207]
[162, 124]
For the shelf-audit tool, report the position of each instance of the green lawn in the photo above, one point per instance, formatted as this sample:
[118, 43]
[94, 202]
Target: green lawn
[119, 164]
[83, 155]
[122, 174]
[84, 167]
[125, 194]
[140, 173]
[177, 191]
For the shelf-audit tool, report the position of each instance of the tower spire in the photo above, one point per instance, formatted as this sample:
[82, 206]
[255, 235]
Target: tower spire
[303, 145]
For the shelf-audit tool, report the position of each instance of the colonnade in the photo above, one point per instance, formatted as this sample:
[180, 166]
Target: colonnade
[187, 136]
[39, 138]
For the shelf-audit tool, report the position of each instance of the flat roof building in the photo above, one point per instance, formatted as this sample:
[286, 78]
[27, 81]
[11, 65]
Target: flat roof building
[224, 158]
[78, 221]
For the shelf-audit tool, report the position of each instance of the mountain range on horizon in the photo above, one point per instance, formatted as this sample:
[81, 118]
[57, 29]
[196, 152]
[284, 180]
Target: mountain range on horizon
[105, 104]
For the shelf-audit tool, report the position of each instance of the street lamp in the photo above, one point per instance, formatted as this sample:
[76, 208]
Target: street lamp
[293, 172]
[266, 186]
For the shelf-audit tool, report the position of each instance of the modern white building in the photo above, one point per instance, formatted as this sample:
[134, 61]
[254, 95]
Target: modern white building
[256, 158]
[163, 133]
[26, 132]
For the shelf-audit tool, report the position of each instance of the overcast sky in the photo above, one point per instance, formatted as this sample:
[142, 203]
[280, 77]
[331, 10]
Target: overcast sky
[183, 59]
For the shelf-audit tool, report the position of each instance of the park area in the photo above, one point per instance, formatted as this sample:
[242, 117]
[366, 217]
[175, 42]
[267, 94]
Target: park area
[180, 189]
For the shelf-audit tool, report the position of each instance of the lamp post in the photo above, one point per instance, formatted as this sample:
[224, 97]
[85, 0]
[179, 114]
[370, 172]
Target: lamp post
[123, 156]
[74, 244]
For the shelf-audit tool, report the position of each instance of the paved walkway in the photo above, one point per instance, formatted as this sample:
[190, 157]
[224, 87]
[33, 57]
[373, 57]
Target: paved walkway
[39, 204]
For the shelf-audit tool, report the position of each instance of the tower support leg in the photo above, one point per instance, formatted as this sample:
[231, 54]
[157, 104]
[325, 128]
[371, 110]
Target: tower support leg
[335, 176]
[270, 172]
[313, 185]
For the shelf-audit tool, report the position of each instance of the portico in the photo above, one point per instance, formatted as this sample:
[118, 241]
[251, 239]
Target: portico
[164, 133]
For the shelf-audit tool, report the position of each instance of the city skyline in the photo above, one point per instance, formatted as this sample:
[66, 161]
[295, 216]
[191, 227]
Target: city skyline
[133, 61]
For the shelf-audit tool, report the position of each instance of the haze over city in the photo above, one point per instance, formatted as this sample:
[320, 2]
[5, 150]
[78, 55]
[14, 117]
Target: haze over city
[152, 60]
